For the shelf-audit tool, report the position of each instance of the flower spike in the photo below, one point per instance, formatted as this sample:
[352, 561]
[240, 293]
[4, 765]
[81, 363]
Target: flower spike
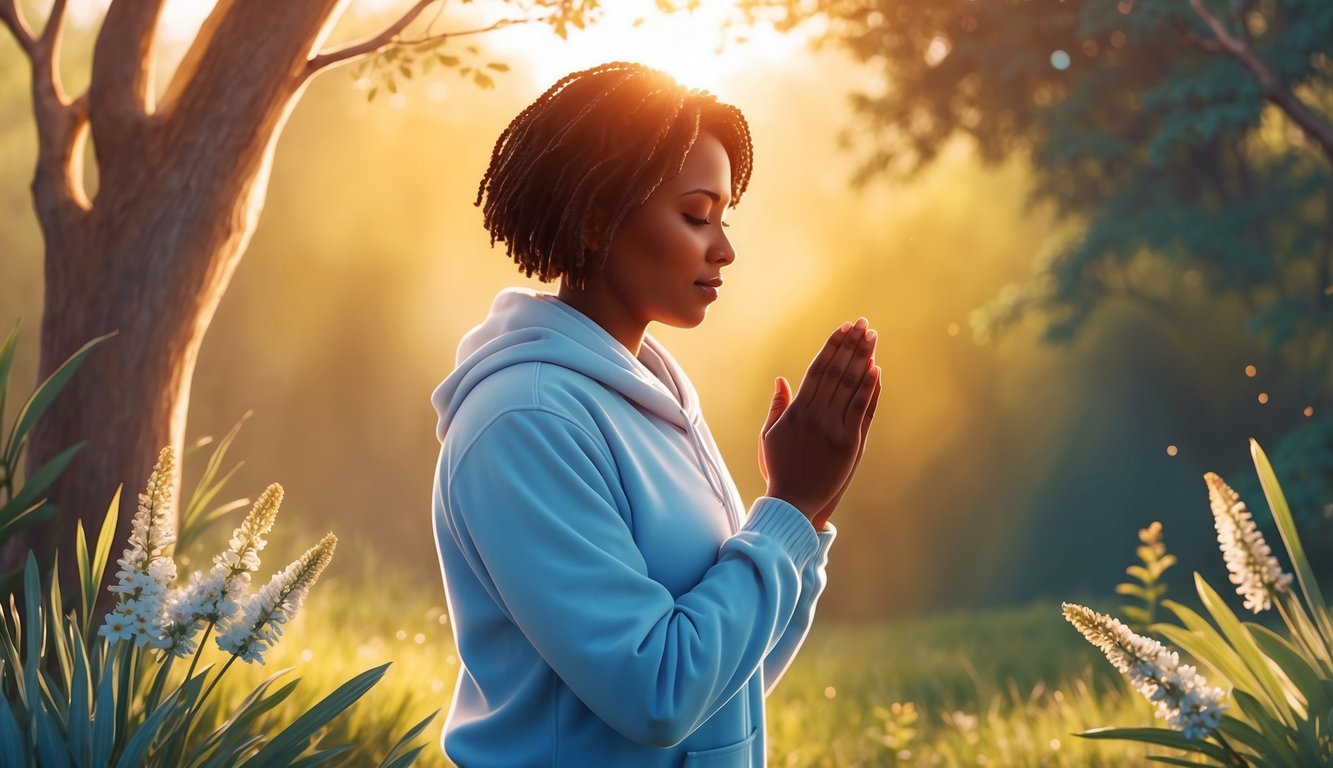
[1182, 696]
[1250, 562]
[146, 571]
[259, 624]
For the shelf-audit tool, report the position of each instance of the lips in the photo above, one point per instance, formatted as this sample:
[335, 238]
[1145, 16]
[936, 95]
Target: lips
[709, 287]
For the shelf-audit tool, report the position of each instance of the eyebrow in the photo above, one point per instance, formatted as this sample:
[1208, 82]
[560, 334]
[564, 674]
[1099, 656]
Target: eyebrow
[701, 191]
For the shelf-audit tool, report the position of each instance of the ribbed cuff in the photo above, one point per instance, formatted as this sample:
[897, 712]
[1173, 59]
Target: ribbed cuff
[776, 518]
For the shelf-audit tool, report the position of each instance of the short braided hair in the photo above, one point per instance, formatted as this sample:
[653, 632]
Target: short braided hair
[607, 138]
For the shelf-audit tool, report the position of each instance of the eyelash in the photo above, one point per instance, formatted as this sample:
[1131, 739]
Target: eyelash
[701, 222]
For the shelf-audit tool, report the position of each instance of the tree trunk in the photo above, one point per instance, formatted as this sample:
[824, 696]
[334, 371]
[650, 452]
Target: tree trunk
[180, 193]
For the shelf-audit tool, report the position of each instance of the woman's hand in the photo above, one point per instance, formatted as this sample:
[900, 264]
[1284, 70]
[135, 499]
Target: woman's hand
[810, 446]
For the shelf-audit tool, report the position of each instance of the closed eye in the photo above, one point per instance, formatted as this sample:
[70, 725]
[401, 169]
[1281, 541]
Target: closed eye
[698, 222]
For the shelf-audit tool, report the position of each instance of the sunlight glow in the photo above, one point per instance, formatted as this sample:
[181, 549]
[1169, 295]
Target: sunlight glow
[688, 46]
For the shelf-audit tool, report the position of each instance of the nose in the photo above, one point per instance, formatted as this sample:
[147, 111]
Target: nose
[721, 251]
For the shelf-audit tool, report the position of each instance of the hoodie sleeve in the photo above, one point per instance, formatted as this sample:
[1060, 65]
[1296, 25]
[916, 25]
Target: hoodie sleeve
[814, 577]
[531, 503]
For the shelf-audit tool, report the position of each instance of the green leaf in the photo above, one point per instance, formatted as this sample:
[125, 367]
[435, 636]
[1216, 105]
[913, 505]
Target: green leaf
[1246, 648]
[448, 61]
[12, 751]
[1201, 641]
[16, 512]
[104, 712]
[1276, 735]
[50, 746]
[1139, 572]
[483, 80]
[1162, 737]
[32, 651]
[1133, 590]
[407, 739]
[1286, 526]
[146, 734]
[294, 739]
[321, 757]
[6, 361]
[228, 735]
[80, 725]
[406, 759]
[1299, 670]
[42, 397]
[92, 580]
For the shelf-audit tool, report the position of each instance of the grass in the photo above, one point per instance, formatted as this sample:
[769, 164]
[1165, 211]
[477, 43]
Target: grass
[1002, 688]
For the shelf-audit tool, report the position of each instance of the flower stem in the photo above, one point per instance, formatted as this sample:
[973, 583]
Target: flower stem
[202, 641]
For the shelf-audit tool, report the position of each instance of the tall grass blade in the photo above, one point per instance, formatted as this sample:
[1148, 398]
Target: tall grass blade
[1296, 667]
[42, 397]
[321, 757]
[51, 748]
[137, 747]
[1286, 526]
[295, 738]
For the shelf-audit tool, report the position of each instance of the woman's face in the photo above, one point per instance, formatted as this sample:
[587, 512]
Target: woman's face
[664, 262]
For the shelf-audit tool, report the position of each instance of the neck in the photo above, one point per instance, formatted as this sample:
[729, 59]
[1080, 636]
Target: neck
[607, 313]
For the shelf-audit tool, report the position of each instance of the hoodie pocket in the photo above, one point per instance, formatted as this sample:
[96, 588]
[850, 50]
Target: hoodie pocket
[731, 756]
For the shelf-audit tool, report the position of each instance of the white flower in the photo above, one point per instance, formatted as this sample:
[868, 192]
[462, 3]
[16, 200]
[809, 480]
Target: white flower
[1250, 562]
[1182, 696]
[262, 615]
[216, 598]
[145, 571]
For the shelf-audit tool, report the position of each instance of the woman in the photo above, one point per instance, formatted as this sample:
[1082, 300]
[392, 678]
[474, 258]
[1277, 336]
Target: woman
[613, 603]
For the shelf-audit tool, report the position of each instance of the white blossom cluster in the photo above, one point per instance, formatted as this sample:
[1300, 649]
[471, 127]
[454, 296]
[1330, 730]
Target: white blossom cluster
[1250, 562]
[216, 597]
[146, 572]
[259, 624]
[1182, 696]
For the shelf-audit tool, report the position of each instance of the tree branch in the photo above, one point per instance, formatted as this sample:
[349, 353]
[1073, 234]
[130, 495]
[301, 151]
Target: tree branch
[13, 19]
[120, 94]
[370, 44]
[390, 37]
[1311, 122]
[51, 32]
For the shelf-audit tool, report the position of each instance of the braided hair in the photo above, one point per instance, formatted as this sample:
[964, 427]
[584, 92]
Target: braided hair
[602, 138]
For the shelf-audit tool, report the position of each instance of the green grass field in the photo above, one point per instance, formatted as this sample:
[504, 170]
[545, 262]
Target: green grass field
[1002, 688]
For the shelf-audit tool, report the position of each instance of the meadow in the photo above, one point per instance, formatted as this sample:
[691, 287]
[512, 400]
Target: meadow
[997, 688]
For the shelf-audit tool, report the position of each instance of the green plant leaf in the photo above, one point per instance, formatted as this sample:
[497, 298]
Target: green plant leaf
[1276, 735]
[79, 728]
[42, 397]
[1297, 668]
[50, 746]
[6, 361]
[12, 751]
[389, 759]
[294, 739]
[1162, 737]
[1248, 651]
[1239, 731]
[1202, 642]
[33, 487]
[32, 651]
[144, 736]
[227, 737]
[105, 717]
[1286, 526]
[321, 757]
[105, 537]
[404, 760]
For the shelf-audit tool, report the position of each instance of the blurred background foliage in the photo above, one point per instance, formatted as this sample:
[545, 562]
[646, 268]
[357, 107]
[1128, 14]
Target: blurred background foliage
[1070, 268]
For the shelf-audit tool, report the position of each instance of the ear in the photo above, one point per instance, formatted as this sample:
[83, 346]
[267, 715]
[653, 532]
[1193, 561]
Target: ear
[594, 227]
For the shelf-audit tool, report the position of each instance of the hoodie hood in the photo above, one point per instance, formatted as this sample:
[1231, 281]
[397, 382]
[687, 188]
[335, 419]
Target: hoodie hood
[527, 326]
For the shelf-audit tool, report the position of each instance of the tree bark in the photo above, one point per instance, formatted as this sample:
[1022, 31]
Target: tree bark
[180, 192]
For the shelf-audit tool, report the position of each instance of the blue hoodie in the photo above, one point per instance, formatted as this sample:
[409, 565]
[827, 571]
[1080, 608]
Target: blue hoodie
[613, 603]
